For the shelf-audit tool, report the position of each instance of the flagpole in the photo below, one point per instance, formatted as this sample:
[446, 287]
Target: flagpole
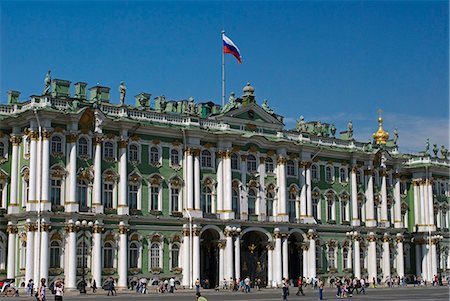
[223, 73]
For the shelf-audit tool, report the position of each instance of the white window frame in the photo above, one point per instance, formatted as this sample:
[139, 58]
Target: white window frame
[269, 165]
[81, 154]
[62, 144]
[109, 150]
[151, 154]
[172, 156]
[152, 263]
[59, 247]
[138, 152]
[331, 251]
[248, 202]
[113, 254]
[252, 166]
[112, 191]
[206, 159]
[235, 163]
[315, 172]
[290, 168]
[343, 172]
[175, 199]
[139, 254]
[329, 178]
[138, 184]
[172, 266]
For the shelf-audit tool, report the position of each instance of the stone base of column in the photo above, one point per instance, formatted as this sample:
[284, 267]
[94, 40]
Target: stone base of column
[384, 224]
[123, 210]
[227, 215]
[196, 213]
[97, 208]
[12, 209]
[356, 223]
[46, 206]
[398, 225]
[71, 207]
[282, 217]
[308, 220]
[371, 223]
[426, 228]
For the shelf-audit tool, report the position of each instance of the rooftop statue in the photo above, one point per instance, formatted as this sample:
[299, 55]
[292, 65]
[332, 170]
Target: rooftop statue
[333, 130]
[350, 129]
[444, 152]
[435, 150]
[266, 107]
[395, 136]
[122, 91]
[427, 146]
[231, 104]
[318, 128]
[47, 82]
[191, 106]
[301, 124]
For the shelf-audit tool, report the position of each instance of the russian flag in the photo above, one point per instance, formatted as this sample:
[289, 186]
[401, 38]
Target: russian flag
[230, 47]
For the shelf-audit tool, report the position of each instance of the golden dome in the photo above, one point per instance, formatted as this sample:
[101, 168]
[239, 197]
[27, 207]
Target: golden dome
[381, 136]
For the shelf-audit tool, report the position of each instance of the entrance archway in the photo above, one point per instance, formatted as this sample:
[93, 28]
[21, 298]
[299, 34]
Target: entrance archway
[295, 241]
[254, 256]
[209, 257]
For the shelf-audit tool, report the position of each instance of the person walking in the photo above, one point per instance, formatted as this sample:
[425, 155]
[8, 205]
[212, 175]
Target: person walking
[197, 286]
[300, 286]
[172, 285]
[200, 297]
[30, 286]
[285, 288]
[41, 290]
[363, 285]
[320, 284]
[59, 290]
[94, 286]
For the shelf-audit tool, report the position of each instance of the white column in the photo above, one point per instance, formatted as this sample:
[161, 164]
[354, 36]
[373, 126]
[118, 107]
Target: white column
[350, 257]
[196, 254]
[189, 179]
[277, 262]
[222, 263]
[45, 174]
[417, 209]
[433, 259]
[305, 259]
[270, 281]
[44, 256]
[122, 268]
[397, 203]
[97, 254]
[32, 189]
[229, 254]
[122, 207]
[418, 258]
[37, 253]
[11, 263]
[237, 257]
[186, 281]
[355, 219]
[97, 199]
[285, 256]
[423, 205]
[13, 199]
[29, 270]
[386, 258]
[312, 253]
[429, 191]
[425, 262]
[400, 261]
[309, 211]
[72, 203]
[303, 191]
[370, 217]
[372, 257]
[357, 251]
[219, 176]
[71, 264]
[227, 188]
[281, 182]
[197, 182]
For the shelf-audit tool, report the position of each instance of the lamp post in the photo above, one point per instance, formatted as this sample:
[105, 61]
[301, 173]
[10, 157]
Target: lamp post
[83, 225]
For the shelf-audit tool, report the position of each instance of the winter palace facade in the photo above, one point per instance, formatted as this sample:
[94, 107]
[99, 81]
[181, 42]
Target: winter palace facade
[91, 189]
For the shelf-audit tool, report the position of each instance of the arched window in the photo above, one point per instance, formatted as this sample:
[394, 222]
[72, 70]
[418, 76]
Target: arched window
[345, 258]
[314, 172]
[174, 157]
[108, 150]
[82, 193]
[155, 255]
[55, 255]
[269, 203]
[55, 192]
[290, 168]
[331, 258]
[358, 177]
[234, 162]
[133, 192]
[82, 147]
[108, 189]
[154, 197]
[343, 175]
[174, 198]
[292, 195]
[329, 174]
[82, 258]
[206, 158]
[251, 201]
[108, 255]
[154, 155]
[207, 199]
[360, 210]
[331, 215]
[315, 207]
[236, 203]
[251, 163]
[269, 165]
[133, 153]
[133, 260]
[57, 145]
[175, 256]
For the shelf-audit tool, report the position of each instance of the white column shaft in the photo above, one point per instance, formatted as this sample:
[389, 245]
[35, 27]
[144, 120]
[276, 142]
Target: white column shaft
[305, 261]
[73, 173]
[197, 183]
[29, 268]
[308, 192]
[45, 174]
[423, 205]
[186, 281]
[33, 171]
[196, 258]
[44, 255]
[13, 199]
[281, 179]
[277, 262]
[11, 263]
[285, 258]
[229, 257]
[227, 188]
[97, 175]
[303, 193]
[431, 221]
[397, 204]
[386, 261]
[97, 258]
[37, 255]
[425, 262]
[355, 218]
[400, 261]
[190, 181]
[434, 261]
[123, 261]
[357, 259]
[220, 203]
[123, 183]
[312, 258]
[269, 267]
[417, 209]
[370, 217]
[237, 258]
[372, 261]
[221, 265]
[71, 265]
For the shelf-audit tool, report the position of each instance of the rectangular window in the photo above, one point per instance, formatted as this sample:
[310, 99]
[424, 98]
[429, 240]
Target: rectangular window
[154, 197]
[55, 192]
[133, 195]
[343, 211]
[174, 195]
[82, 194]
[108, 195]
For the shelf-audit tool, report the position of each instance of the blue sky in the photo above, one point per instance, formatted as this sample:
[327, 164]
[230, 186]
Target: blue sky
[326, 60]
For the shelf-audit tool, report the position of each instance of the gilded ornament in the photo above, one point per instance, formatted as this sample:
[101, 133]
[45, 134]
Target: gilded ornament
[34, 135]
[252, 248]
[12, 229]
[196, 232]
[46, 135]
[15, 140]
[123, 230]
[69, 228]
[123, 143]
[97, 140]
[281, 160]
[45, 227]
[244, 158]
[185, 232]
[381, 136]
[71, 138]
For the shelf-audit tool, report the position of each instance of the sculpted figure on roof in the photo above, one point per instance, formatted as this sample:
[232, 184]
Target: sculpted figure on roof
[122, 91]
[47, 82]
[395, 136]
[266, 107]
[231, 104]
[301, 124]
[350, 129]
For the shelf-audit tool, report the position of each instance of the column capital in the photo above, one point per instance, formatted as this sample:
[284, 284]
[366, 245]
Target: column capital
[281, 160]
[270, 246]
[123, 229]
[189, 151]
[15, 140]
[185, 232]
[372, 238]
[33, 135]
[304, 164]
[72, 137]
[46, 135]
[386, 238]
[311, 235]
[354, 168]
[226, 154]
[45, 227]
[97, 140]
[305, 246]
[396, 175]
[222, 244]
[399, 238]
[97, 229]
[368, 172]
[70, 228]
[196, 232]
[30, 227]
[276, 235]
[383, 172]
[123, 143]
[12, 229]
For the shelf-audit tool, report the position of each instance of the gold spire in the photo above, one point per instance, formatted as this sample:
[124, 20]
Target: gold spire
[381, 136]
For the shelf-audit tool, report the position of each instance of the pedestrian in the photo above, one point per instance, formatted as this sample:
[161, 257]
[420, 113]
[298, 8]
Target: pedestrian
[200, 297]
[110, 286]
[363, 285]
[94, 286]
[59, 290]
[41, 290]
[247, 284]
[285, 288]
[30, 287]
[320, 289]
[172, 285]
[300, 286]
[197, 286]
